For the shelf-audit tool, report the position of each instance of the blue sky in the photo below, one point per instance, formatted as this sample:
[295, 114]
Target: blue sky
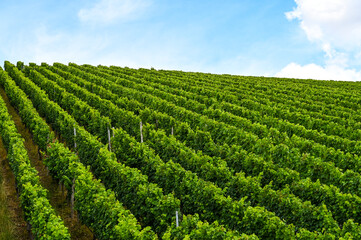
[295, 38]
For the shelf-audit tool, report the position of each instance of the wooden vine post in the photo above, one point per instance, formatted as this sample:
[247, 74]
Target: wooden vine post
[110, 146]
[74, 138]
[72, 198]
[176, 218]
[141, 132]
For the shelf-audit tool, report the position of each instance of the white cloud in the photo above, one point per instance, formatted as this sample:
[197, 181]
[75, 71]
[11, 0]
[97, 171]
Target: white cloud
[109, 11]
[313, 71]
[335, 26]
[336, 22]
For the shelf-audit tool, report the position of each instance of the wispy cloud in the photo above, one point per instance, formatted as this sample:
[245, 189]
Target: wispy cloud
[95, 47]
[335, 26]
[45, 45]
[110, 11]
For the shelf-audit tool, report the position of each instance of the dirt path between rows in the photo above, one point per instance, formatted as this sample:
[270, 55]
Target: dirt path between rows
[14, 209]
[56, 196]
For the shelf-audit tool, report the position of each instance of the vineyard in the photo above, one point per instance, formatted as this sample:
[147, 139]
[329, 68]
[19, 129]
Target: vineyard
[156, 154]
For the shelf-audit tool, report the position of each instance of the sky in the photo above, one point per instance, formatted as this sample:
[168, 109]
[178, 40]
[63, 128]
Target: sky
[318, 39]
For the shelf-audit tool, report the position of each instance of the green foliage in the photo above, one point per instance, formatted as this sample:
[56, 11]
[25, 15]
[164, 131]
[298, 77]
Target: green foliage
[191, 228]
[128, 85]
[245, 154]
[97, 207]
[45, 224]
[90, 195]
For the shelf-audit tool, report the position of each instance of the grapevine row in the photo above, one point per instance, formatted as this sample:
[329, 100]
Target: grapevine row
[261, 130]
[279, 109]
[160, 206]
[211, 169]
[129, 185]
[189, 185]
[290, 128]
[44, 222]
[280, 154]
[251, 164]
